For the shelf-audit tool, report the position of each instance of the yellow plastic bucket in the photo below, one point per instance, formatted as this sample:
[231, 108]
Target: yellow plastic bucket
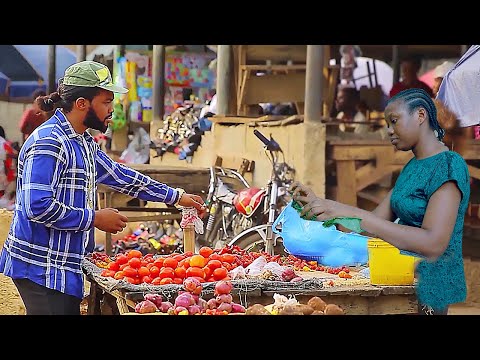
[388, 266]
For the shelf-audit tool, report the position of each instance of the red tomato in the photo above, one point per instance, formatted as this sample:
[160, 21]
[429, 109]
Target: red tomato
[123, 266]
[215, 256]
[143, 271]
[166, 280]
[229, 258]
[180, 272]
[205, 251]
[220, 273]
[134, 254]
[130, 272]
[170, 262]
[115, 266]
[195, 272]
[108, 273]
[207, 271]
[156, 281]
[184, 263]
[121, 259]
[135, 262]
[179, 257]
[154, 271]
[188, 253]
[198, 261]
[147, 279]
[177, 281]
[159, 262]
[214, 264]
[166, 272]
[129, 279]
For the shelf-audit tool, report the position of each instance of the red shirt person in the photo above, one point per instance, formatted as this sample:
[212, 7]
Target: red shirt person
[409, 68]
[32, 116]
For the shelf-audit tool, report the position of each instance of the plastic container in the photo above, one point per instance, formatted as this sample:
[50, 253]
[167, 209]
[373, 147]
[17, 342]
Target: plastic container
[388, 266]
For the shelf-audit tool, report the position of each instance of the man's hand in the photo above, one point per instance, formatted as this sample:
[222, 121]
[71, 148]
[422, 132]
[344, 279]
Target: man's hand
[191, 200]
[301, 193]
[110, 220]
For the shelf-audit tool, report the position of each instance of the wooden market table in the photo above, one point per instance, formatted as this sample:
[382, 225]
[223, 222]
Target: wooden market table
[354, 299]
[379, 158]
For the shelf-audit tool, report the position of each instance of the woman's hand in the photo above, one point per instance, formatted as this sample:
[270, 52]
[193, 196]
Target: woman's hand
[191, 200]
[324, 209]
[299, 190]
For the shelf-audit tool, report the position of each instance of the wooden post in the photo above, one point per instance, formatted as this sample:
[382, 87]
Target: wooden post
[314, 130]
[51, 86]
[224, 74]
[121, 50]
[158, 79]
[396, 63]
[81, 53]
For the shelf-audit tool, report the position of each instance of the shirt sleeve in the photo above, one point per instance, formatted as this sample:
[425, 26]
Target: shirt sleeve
[131, 182]
[38, 188]
[452, 168]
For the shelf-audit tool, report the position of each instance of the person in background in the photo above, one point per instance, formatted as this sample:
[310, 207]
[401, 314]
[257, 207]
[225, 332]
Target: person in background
[409, 68]
[33, 116]
[59, 168]
[429, 202]
[7, 171]
[438, 75]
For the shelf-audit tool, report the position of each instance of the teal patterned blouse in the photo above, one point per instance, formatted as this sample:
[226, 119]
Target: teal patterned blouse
[441, 282]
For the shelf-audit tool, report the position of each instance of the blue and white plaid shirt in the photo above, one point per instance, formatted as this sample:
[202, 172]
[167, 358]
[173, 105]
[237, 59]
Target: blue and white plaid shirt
[52, 227]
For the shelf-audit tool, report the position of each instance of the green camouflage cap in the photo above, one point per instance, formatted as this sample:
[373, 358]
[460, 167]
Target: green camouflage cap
[91, 74]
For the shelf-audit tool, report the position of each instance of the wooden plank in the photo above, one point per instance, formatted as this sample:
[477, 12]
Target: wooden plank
[373, 174]
[347, 184]
[273, 67]
[474, 171]
[275, 88]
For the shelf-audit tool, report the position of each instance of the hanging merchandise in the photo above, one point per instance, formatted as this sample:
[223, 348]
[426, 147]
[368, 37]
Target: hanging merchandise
[119, 120]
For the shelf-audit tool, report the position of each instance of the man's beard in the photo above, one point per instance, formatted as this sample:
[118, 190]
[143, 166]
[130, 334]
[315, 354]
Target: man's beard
[92, 121]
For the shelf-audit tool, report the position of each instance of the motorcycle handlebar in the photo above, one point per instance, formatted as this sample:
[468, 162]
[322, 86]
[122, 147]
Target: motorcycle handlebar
[271, 144]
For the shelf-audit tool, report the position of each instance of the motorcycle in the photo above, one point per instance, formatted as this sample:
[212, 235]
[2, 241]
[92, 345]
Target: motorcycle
[240, 213]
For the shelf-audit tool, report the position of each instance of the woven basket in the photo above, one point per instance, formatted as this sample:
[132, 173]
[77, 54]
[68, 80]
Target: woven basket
[5, 220]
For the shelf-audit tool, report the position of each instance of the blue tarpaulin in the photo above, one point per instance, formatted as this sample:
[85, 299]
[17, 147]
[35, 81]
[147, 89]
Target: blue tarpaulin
[36, 57]
[3, 83]
[460, 88]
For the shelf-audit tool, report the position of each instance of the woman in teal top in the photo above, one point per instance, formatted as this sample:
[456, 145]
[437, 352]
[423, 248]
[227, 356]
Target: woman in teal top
[429, 198]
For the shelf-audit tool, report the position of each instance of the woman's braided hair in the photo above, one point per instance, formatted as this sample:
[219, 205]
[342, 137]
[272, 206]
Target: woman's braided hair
[418, 98]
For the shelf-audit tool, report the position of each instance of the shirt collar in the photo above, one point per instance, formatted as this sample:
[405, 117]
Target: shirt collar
[68, 128]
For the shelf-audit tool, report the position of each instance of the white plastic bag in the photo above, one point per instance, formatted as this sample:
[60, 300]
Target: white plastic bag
[138, 151]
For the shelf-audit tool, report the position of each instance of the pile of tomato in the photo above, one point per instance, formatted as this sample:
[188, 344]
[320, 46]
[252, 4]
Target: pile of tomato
[207, 266]
[135, 268]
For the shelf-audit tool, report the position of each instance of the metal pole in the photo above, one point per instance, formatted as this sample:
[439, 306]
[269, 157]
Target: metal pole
[396, 63]
[51, 86]
[224, 74]
[158, 79]
[81, 52]
[314, 83]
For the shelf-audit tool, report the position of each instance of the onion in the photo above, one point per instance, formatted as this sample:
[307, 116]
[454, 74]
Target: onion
[202, 303]
[186, 299]
[194, 309]
[225, 307]
[224, 298]
[180, 309]
[191, 284]
[212, 303]
[223, 287]
[155, 298]
[237, 308]
[165, 306]
[145, 307]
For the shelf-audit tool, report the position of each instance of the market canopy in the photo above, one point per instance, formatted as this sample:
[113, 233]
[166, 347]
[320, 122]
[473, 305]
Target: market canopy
[36, 59]
[459, 88]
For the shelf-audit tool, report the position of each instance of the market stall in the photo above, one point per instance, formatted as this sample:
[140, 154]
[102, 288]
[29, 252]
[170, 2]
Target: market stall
[345, 287]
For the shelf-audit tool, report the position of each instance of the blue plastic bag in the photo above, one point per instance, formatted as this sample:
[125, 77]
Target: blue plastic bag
[310, 240]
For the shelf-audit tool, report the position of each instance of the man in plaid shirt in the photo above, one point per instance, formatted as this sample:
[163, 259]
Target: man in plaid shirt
[59, 167]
